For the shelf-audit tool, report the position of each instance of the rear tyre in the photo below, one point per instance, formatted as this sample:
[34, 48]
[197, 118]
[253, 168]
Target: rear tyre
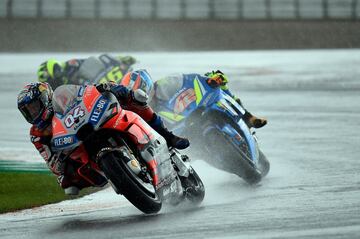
[142, 195]
[193, 187]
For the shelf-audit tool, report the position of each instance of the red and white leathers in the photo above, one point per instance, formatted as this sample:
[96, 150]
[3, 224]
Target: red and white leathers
[41, 139]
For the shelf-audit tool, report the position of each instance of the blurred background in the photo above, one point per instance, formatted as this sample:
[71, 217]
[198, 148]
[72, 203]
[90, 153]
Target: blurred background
[295, 62]
[177, 25]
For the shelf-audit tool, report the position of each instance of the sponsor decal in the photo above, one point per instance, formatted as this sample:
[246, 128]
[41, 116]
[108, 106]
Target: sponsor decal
[81, 91]
[98, 111]
[184, 100]
[64, 141]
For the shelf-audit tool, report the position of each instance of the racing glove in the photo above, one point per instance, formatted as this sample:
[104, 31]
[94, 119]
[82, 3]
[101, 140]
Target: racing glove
[120, 91]
[123, 94]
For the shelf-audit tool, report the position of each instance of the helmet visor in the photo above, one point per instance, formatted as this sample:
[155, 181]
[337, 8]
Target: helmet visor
[144, 82]
[32, 111]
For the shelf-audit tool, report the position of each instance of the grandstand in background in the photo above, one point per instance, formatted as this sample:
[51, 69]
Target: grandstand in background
[183, 9]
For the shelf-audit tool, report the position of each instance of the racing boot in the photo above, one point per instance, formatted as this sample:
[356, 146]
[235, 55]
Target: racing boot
[171, 139]
[65, 183]
[72, 190]
[68, 178]
[253, 121]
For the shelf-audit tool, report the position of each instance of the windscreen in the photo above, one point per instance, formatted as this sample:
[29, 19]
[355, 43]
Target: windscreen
[168, 87]
[65, 97]
[91, 68]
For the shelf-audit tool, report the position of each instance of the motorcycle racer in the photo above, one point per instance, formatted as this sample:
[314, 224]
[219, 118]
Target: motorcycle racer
[169, 86]
[35, 104]
[58, 73]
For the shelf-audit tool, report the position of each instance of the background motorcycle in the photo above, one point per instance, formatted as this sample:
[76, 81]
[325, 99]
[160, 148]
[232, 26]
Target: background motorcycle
[110, 144]
[101, 69]
[213, 120]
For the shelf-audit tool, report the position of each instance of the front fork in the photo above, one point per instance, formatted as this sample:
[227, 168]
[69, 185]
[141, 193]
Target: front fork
[181, 163]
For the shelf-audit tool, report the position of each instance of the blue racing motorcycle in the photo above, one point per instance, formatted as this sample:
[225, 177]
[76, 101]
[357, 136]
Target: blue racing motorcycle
[213, 120]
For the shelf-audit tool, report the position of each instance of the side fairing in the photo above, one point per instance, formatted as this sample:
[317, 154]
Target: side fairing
[242, 139]
[196, 93]
[240, 135]
[193, 94]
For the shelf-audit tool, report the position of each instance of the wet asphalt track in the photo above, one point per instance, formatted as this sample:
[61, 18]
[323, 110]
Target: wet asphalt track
[312, 102]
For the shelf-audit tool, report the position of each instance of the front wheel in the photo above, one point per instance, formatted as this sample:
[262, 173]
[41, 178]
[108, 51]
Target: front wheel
[141, 194]
[224, 155]
[193, 187]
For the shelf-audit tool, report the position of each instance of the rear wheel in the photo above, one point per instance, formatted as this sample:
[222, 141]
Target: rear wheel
[141, 194]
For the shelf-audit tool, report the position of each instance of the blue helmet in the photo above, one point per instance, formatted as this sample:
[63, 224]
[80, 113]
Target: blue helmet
[139, 79]
[34, 103]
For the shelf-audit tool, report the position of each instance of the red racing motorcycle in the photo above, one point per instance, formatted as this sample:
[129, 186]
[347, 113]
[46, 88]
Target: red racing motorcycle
[110, 144]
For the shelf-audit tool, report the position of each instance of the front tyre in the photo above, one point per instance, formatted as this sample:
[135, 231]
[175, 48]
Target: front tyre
[142, 195]
[224, 155]
[193, 187]
[264, 164]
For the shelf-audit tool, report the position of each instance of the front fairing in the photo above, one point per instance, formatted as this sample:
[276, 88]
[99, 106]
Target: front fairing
[74, 107]
[237, 131]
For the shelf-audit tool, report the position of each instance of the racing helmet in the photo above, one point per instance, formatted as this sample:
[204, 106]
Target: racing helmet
[139, 79]
[51, 71]
[34, 103]
[216, 79]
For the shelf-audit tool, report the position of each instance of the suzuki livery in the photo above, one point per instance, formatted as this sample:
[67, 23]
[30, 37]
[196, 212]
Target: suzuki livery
[213, 120]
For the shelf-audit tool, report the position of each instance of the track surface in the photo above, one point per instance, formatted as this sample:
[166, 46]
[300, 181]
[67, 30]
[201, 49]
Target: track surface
[312, 102]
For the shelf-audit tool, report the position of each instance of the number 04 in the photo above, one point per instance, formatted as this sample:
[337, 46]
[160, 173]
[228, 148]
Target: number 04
[71, 118]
